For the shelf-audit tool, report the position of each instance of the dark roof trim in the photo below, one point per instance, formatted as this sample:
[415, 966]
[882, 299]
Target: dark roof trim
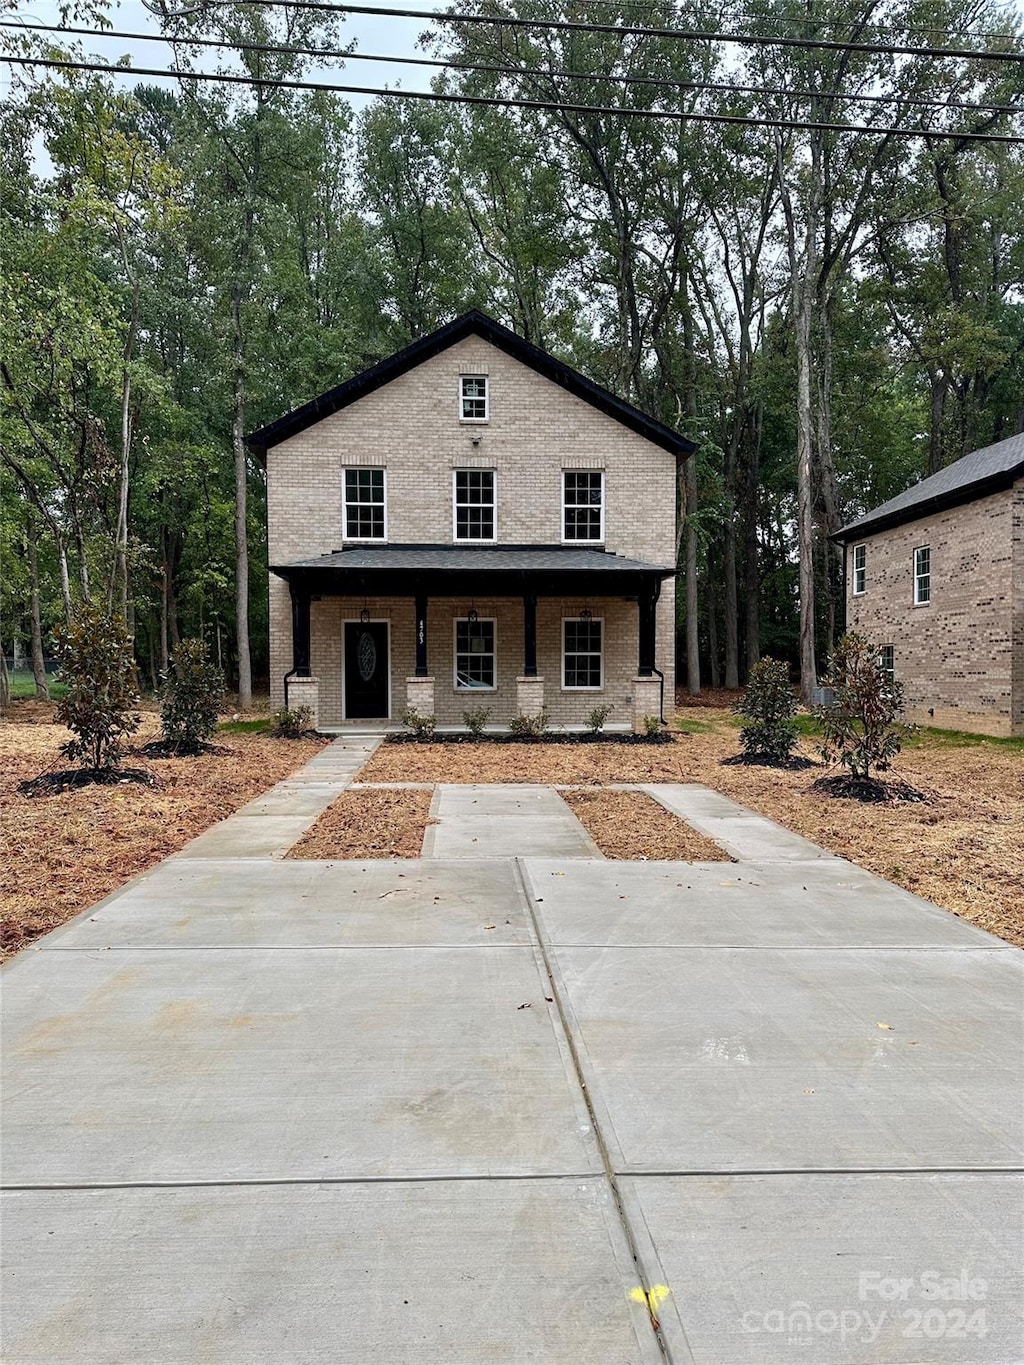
[871, 525]
[469, 324]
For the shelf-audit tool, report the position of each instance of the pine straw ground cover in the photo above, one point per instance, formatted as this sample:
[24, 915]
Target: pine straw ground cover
[370, 823]
[963, 848]
[59, 854]
[632, 825]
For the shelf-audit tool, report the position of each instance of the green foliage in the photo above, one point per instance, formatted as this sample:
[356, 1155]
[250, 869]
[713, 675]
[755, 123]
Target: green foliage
[192, 693]
[530, 727]
[652, 726]
[97, 665]
[597, 718]
[422, 727]
[862, 731]
[476, 719]
[292, 723]
[769, 708]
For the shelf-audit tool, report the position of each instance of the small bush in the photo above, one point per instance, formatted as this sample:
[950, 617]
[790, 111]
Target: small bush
[97, 662]
[652, 726]
[769, 708]
[862, 730]
[191, 696]
[422, 727]
[530, 727]
[597, 718]
[476, 720]
[292, 724]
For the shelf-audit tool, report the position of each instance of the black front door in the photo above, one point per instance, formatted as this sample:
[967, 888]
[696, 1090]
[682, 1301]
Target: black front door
[366, 670]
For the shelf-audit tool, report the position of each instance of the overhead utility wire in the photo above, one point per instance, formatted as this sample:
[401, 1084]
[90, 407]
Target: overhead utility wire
[643, 31]
[726, 87]
[563, 106]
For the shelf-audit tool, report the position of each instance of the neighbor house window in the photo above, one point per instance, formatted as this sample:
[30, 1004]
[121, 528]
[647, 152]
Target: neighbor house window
[473, 398]
[860, 569]
[582, 505]
[887, 661]
[582, 663]
[365, 505]
[474, 655]
[922, 575]
[474, 504]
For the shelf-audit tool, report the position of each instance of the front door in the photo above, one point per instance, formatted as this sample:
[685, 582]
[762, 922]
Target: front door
[366, 670]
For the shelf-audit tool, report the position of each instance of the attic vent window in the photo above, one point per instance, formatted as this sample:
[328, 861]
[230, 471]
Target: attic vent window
[473, 398]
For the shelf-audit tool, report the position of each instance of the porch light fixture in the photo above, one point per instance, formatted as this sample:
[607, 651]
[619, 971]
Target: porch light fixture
[585, 613]
[364, 615]
[473, 615]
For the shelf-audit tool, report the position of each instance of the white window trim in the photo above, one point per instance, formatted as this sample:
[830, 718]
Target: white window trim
[891, 672]
[361, 540]
[918, 600]
[356, 621]
[473, 540]
[462, 690]
[600, 687]
[859, 592]
[476, 421]
[577, 540]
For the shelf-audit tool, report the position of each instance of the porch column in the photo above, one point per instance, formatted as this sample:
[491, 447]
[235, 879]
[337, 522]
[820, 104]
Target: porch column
[529, 687]
[646, 686]
[300, 630]
[419, 689]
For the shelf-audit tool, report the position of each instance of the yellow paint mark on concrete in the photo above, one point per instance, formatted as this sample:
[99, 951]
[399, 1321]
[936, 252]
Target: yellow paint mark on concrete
[651, 1298]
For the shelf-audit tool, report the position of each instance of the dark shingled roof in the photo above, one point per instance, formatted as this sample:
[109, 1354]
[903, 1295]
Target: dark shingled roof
[974, 476]
[475, 559]
[479, 324]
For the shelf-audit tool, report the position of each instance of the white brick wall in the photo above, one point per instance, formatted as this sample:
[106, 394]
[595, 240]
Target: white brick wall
[535, 430]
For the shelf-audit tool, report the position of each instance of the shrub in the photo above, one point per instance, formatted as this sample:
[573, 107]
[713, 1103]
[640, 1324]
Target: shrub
[97, 663]
[862, 729]
[423, 727]
[652, 726]
[530, 727]
[597, 718]
[476, 720]
[192, 692]
[768, 706]
[292, 724]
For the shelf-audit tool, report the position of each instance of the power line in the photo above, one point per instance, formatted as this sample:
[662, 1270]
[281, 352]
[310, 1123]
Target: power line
[636, 31]
[561, 106]
[724, 87]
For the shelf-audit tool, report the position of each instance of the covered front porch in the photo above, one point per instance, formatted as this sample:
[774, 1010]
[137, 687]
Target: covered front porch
[446, 630]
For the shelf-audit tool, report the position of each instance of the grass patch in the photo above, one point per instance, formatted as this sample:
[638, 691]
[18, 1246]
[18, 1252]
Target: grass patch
[927, 735]
[23, 688]
[692, 727]
[246, 727]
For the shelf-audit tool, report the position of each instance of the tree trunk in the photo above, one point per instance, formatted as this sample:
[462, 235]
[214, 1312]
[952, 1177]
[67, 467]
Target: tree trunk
[804, 477]
[751, 549]
[38, 662]
[690, 507]
[711, 597]
[5, 679]
[936, 418]
[241, 536]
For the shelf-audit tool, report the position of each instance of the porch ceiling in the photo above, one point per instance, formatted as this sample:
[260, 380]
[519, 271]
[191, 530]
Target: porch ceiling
[453, 570]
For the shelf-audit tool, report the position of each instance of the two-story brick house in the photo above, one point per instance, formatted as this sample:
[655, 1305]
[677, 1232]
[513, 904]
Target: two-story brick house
[471, 524]
[935, 578]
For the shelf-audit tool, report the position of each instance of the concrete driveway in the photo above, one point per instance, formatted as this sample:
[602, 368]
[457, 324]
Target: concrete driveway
[487, 1106]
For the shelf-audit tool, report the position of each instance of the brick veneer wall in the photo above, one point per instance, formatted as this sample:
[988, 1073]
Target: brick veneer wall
[536, 430]
[960, 656]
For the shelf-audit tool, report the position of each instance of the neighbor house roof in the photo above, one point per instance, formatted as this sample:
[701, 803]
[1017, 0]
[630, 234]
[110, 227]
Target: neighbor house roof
[974, 476]
[453, 570]
[473, 323]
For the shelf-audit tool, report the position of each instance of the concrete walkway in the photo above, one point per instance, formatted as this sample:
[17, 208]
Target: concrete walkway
[470, 1109]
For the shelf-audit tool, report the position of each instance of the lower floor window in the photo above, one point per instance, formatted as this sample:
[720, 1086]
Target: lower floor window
[581, 652]
[887, 661]
[474, 654]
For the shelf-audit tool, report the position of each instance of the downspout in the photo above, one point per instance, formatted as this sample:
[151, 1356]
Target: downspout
[661, 695]
[287, 678]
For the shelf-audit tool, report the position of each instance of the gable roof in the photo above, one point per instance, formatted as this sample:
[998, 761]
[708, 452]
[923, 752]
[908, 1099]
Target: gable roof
[473, 323]
[973, 476]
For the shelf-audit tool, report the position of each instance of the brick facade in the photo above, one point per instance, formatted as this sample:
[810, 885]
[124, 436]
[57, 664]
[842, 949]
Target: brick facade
[960, 657]
[411, 427]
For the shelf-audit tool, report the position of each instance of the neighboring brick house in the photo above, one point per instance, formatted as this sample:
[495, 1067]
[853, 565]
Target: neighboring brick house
[471, 525]
[935, 578]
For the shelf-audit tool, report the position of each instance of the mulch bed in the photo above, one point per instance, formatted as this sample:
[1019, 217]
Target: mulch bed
[795, 763]
[549, 737]
[368, 824]
[632, 825]
[868, 789]
[67, 779]
[165, 748]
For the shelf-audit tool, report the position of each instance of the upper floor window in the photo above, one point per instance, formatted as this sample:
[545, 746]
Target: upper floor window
[365, 504]
[582, 505]
[582, 656]
[922, 575]
[860, 569]
[474, 504]
[474, 655]
[473, 398]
